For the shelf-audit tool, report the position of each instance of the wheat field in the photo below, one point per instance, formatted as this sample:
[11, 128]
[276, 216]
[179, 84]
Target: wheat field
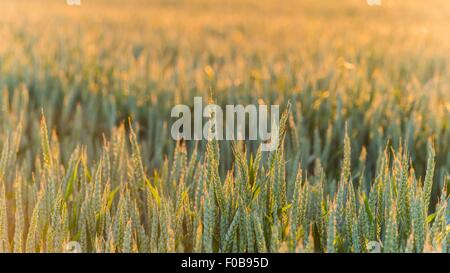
[86, 152]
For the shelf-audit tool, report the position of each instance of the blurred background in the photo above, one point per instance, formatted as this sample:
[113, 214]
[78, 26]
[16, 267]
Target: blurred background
[384, 69]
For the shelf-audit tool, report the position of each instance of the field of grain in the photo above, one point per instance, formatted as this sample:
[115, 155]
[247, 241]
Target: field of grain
[87, 155]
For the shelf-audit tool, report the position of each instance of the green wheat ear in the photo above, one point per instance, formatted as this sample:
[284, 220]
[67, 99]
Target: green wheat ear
[428, 183]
